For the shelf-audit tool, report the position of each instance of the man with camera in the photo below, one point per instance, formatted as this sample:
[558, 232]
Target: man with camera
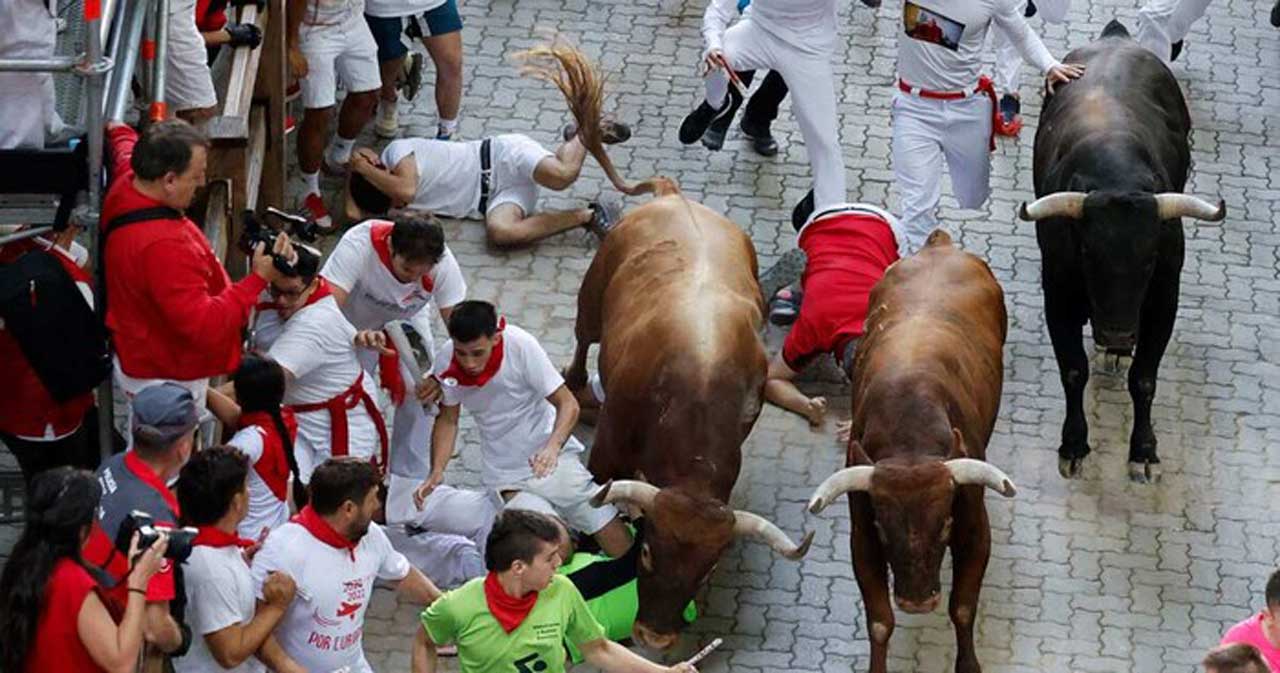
[135, 492]
[173, 313]
[230, 634]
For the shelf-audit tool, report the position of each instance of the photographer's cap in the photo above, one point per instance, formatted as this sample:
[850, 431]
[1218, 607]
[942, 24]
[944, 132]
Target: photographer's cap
[163, 413]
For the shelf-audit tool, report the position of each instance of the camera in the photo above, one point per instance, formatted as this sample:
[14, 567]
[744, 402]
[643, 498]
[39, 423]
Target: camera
[180, 539]
[255, 232]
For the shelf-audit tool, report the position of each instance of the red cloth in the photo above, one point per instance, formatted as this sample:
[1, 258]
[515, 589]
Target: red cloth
[57, 645]
[213, 537]
[985, 86]
[337, 408]
[847, 255]
[509, 611]
[211, 15]
[273, 465]
[389, 373]
[172, 311]
[28, 415]
[380, 236]
[456, 372]
[322, 531]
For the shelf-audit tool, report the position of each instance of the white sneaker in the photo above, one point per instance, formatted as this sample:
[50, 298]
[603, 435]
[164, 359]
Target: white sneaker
[388, 124]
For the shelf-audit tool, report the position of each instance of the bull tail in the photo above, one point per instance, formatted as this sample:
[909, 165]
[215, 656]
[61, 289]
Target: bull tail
[1114, 29]
[565, 66]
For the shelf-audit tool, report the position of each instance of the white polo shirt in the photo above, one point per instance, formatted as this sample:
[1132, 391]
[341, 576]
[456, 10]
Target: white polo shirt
[511, 409]
[220, 593]
[361, 265]
[317, 348]
[265, 509]
[323, 629]
[448, 173]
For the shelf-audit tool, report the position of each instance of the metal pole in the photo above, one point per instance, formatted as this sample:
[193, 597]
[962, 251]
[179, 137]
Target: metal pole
[24, 234]
[128, 49]
[146, 74]
[52, 64]
[112, 28]
[159, 108]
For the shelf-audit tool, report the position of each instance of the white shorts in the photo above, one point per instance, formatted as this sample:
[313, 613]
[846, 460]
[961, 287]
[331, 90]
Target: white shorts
[515, 157]
[566, 493]
[346, 52]
[188, 82]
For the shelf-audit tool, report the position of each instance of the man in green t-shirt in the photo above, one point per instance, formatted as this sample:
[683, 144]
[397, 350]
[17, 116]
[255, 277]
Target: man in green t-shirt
[518, 617]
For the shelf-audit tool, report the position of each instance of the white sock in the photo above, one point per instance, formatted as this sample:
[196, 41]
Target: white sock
[717, 87]
[340, 150]
[312, 181]
[447, 126]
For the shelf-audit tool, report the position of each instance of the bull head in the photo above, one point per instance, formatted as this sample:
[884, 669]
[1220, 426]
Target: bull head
[684, 537]
[1118, 235]
[912, 509]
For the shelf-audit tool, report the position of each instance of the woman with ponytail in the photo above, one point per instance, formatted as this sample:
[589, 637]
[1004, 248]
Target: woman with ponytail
[51, 615]
[266, 433]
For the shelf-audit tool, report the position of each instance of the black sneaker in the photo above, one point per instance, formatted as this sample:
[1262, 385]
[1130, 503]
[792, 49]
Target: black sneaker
[612, 131]
[1174, 50]
[606, 212]
[1275, 15]
[785, 307]
[713, 139]
[803, 209]
[761, 139]
[1009, 108]
[871, 3]
[1031, 9]
[696, 124]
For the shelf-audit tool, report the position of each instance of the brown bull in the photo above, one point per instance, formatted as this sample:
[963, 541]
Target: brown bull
[926, 389]
[672, 299]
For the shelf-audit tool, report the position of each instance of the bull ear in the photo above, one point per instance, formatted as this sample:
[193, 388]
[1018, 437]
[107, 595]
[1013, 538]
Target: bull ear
[957, 445]
[857, 455]
[764, 530]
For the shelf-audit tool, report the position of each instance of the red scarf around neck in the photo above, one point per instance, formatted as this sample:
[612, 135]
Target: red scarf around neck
[322, 531]
[509, 612]
[209, 536]
[457, 373]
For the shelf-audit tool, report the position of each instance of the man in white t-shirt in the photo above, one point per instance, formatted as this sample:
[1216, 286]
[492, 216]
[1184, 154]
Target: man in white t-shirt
[496, 179]
[303, 329]
[229, 631]
[945, 108]
[525, 413]
[336, 553]
[1162, 25]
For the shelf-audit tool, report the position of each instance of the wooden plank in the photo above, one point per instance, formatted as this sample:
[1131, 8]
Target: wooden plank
[232, 124]
[271, 86]
[257, 154]
[217, 218]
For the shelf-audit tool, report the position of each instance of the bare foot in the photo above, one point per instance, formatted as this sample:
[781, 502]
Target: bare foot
[843, 430]
[816, 411]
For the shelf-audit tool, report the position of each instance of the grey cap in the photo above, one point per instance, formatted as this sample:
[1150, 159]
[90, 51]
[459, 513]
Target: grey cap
[163, 413]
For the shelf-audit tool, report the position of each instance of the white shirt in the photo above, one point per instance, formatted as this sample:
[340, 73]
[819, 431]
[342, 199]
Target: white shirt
[448, 173]
[807, 25]
[955, 64]
[331, 12]
[511, 409]
[389, 9]
[317, 348]
[324, 626]
[219, 594]
[374, 295]
[265, 509]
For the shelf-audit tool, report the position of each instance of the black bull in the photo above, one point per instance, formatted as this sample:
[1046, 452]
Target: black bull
[1111, 161]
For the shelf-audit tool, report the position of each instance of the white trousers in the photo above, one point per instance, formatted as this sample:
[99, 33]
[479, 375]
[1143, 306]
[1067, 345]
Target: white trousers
[813, 101]
[446, 538]
[410, 429]
[1008, 58]
[27, 98]
[926, 131]
[1163, 22]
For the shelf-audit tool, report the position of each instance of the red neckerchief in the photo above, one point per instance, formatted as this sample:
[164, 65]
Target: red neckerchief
[142, 471]
[457, 373]
[509, 612]
[380, 236]
[272, 465]
[212, 537]
[322, 531]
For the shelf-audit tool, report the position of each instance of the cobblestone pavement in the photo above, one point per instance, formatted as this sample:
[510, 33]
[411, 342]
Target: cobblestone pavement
[1089, 575]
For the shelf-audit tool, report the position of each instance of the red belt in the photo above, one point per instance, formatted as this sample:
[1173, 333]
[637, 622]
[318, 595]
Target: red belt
[337, 408]
[985, 86]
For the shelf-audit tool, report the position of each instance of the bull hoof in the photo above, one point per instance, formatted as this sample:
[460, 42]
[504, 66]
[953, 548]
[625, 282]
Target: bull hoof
[1144, 472]
[1070, 468]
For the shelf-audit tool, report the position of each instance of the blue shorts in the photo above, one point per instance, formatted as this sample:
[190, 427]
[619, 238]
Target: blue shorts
[386, 31]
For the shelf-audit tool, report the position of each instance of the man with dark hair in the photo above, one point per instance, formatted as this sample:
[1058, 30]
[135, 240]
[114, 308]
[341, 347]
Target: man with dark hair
[303, 329]
[337, 551]
[228, 631]
[520, 614]
[163, 428]
[173, 312]
[1263, 629]
[1237, 658]
[496, 179]
[525, 413]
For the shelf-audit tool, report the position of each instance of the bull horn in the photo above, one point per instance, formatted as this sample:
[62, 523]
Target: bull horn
[1172, 204]
[850, 479]
[764, 530]
[969, 471]
[1057, 204]
[637, 493]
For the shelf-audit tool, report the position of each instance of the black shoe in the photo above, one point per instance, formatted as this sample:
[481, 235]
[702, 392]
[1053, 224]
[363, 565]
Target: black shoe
[761, 139]
[696, 124]
[804, 208]
[1175, 50]
[871, 3]
[713, 139]
[1275, 15]
[606, 212]
[612, 131]
[1031, 9]
[1009, 108]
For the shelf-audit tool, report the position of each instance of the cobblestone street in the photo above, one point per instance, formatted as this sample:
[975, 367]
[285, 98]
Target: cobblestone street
[1096, 574]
